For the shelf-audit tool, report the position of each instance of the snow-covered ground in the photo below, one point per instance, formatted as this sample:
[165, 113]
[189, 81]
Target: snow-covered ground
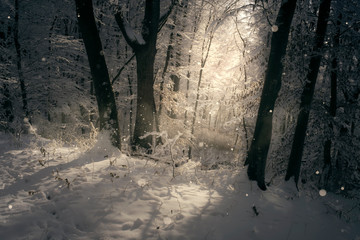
[53, 191]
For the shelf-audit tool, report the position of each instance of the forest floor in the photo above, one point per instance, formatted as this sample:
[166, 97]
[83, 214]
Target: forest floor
[59, 191]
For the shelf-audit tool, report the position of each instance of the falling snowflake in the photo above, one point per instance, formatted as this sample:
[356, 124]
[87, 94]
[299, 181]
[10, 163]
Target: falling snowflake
[322, 192]
[274, 28]
[10, 206]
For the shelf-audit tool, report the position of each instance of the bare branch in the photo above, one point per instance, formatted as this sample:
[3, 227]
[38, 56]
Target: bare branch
[166, 15]
[122, 68]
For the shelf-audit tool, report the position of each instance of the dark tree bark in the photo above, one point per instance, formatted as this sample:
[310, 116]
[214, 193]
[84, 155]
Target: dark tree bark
[99, 72]
[169, 56]
[333, 104]
[144, 47]
[293, 169]
[19, 62]
[7, 104]
[257, 154]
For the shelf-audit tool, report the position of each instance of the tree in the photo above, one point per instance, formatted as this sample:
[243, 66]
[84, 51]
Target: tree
[194, 30]
[205, 49]
[19, 61]
[257, 154]
[333, 102]
[172, 61]
[293, 169]
[144, 46]
[7, 104]
[103, 90]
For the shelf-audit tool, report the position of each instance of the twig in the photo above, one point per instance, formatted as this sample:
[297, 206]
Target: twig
[122, 68]
[156, 159]
[255, 210]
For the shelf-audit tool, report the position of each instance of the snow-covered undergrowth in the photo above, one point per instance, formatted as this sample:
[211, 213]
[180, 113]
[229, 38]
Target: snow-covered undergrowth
[49, 191]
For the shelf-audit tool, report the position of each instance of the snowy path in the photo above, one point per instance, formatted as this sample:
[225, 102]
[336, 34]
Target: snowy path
[108, 195]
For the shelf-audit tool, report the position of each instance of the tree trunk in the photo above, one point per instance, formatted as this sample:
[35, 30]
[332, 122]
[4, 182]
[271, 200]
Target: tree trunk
[144, 47]
[307, 94]
[188, 74]
[333, 104]
[18, 61]
[257, 154]
[145, 108]
[129, 127]
[206, 45]
[7, 104]
[131, 109]
[169, 61]
[145, 50]
[99, 72]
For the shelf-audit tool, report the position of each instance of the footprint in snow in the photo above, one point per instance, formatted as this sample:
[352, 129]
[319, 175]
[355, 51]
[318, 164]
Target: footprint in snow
[128, 226]
[137, 224]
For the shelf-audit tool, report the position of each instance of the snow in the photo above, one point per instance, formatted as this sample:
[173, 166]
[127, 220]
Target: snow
[274, 28]
[101, 193]
[132, 35]
[322, 192]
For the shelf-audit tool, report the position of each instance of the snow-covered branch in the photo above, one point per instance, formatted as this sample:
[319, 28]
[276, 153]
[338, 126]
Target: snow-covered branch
[131, 37]
[163, 18]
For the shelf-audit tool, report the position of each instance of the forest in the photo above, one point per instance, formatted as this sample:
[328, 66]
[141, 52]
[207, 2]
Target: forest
[128, 101]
